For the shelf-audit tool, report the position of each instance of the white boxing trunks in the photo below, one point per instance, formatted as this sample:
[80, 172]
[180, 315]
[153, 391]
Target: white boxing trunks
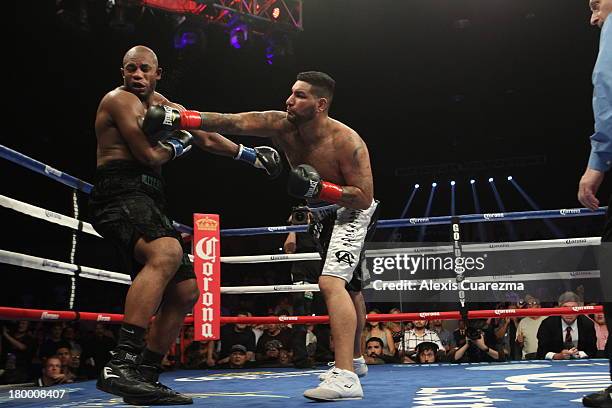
[341, 234]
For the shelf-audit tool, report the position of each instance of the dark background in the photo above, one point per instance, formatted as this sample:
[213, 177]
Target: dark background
[424, 82]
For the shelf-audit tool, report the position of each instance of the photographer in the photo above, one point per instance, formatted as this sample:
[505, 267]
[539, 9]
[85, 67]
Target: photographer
[306, 303]
[479, 345]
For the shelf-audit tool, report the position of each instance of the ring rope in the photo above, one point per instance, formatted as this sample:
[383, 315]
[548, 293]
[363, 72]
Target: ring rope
[11, 313]
[28, 261]
[41, 168]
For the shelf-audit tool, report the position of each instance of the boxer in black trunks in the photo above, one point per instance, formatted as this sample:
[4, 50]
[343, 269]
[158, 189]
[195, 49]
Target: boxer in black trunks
[127, 205]
[331, 165]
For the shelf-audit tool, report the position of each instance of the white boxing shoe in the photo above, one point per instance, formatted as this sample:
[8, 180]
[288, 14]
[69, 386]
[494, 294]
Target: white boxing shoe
[359, 366]
[338, 385]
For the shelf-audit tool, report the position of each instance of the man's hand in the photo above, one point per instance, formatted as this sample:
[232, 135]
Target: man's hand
[178, 142]
[305, 182]
[262, 157]
[480, 343]
[588, 186]
[565, 354]
[165, 118]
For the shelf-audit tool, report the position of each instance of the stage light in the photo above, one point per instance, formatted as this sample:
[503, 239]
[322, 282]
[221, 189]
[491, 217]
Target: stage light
[472, 181]
[416, 186]
[509, 178]
[434, 184]
[239, 35]
[490, 179]
[276, 13]
[453, 183]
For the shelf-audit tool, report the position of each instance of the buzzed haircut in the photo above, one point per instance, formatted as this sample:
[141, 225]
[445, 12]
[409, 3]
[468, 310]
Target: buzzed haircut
[140, 49]
[323, 84]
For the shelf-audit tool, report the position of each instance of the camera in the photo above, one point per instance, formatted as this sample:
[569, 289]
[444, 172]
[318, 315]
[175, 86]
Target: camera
[476, 328]
[473, 333]
[299, 215]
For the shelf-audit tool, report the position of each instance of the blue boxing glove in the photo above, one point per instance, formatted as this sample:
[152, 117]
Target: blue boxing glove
[261, 157]
[178, 142]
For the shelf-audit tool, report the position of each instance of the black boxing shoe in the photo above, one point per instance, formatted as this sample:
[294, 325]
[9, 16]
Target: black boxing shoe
[164, 395]
[601, 399]
[120, 376]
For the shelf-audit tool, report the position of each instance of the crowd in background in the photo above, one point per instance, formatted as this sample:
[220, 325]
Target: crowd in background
[45, 354]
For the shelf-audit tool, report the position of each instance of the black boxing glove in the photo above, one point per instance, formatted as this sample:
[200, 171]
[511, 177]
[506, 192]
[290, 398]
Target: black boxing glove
[165, 118]
[261, 157]
[178, 142]
[305, 182]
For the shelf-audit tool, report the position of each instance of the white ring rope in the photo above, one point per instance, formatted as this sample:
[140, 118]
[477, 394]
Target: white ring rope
[64, 268]
[28, 261]
[47, 215]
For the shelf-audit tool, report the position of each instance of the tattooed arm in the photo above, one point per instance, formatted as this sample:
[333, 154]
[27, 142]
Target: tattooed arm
[355, 167]
[263, 124]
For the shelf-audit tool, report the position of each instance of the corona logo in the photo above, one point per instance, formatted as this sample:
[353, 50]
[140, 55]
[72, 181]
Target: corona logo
[570, 211]
[505, 311]
[491, 216]
[426, 314]
[102, 318]
[206, 248]
[207, 224]
[49, 316]
[418, 220]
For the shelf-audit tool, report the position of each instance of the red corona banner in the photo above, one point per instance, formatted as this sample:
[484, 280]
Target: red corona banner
[207, 267]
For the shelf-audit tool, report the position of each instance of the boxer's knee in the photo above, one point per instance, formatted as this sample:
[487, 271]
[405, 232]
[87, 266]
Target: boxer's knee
[331, 284]
[186, 295]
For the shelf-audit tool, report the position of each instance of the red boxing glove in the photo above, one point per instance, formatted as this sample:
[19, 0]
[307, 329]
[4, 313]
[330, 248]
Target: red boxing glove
[330, 192]
[191, 119]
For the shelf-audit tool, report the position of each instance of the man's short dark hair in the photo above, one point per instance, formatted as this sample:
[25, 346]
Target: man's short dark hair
[376, 340]
[323, 84]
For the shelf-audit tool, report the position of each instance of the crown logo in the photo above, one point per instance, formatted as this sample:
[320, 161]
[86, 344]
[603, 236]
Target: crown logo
[207, 224]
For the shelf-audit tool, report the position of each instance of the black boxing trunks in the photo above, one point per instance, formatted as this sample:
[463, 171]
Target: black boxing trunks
[341, 233]
[128, 202]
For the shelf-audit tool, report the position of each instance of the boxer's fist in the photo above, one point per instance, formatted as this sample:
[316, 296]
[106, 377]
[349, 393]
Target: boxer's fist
[161, 118]
[262, 157]
[178, 142]
[165, 118]
[305, 182]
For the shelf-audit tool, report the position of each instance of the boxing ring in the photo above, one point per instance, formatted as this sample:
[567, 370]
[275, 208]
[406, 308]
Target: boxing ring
[523, 383]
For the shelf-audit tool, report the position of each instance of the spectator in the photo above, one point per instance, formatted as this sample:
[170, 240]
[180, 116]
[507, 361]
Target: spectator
[52, 342]
[378, 330]
[96, 351]
[413, 337]
[397, 328]
[63, 353]
[428, 352]
[17, 352]
[238, 333]
[238, 358]
[477, 346]
[567, 336]
[505, 332]
[69, 336]
[201, 354]
[459, 334]
[52, 373]
[445, 336]
[374, 352]
[601, 332]
[273, 332]
[527, 331]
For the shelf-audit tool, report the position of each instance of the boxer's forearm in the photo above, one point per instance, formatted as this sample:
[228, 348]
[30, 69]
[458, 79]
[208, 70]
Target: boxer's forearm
[214, 143]
[248, 123]
[354, 197]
